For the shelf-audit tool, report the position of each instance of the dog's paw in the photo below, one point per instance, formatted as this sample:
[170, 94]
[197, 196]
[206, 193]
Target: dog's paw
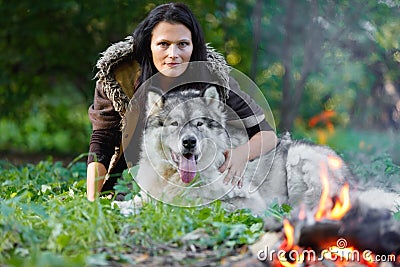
[130, 207]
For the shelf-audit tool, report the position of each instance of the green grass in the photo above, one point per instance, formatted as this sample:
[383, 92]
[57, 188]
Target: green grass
[45, 220]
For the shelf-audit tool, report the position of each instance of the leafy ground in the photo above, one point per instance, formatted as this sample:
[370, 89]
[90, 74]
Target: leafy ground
[45, 220]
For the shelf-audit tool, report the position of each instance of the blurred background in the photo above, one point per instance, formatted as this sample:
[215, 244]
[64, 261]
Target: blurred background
[329, 69]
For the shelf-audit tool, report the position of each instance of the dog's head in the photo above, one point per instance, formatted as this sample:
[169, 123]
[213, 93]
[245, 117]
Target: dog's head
[190, 129]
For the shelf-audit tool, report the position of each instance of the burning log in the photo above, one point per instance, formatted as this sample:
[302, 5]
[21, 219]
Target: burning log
[372, 229]
[364, 228]
[318, 235]
[362, 232]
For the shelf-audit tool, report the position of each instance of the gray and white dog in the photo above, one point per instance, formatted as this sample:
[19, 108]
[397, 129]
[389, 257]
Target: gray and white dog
[185, 137]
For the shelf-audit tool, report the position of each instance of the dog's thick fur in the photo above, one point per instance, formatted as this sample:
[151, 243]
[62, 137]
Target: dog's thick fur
[291, 173]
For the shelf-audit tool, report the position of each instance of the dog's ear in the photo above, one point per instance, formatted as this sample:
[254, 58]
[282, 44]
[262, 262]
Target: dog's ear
[212, 97]
[155, 101]
[211, 92]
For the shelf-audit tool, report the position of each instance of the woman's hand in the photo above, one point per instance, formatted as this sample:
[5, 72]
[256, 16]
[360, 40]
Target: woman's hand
[237, 158]
[235, 161]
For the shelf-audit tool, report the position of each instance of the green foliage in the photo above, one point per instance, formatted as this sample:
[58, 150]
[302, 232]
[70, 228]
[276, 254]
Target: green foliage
[126, 185]
[341, 55]
[213, 227]
[279, 212]
[397, 214]
[40, 214]
[45, 220]
[352, 142]
[55, 123]
[48, 53]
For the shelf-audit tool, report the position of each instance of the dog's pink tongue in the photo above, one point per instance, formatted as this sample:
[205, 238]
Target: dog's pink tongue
[187, 168]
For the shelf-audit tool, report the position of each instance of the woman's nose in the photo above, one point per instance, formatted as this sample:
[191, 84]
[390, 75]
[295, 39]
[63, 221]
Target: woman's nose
[173, 51]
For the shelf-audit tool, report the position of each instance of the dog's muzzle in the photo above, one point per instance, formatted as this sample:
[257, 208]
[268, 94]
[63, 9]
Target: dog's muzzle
[186, 159]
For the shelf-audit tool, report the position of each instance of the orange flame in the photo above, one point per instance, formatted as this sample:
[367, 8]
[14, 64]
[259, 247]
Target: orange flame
[289, 233]
[296, 256]
[325, 194]
[324, 117]
[342, 204]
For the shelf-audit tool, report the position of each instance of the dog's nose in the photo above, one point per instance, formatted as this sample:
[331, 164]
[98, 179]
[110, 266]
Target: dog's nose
[189, 142]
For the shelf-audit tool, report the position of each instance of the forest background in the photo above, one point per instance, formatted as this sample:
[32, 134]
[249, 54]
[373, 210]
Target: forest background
[328, 69]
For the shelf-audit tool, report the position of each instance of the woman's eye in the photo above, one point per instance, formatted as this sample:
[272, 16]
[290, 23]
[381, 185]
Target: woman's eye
[199, 123]
[183, 44]
[163, 44]
[174, 123]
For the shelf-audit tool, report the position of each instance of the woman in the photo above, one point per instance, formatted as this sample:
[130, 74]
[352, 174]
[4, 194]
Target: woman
[166, 39]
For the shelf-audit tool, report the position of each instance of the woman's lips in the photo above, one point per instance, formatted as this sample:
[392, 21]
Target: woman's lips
[171, 65]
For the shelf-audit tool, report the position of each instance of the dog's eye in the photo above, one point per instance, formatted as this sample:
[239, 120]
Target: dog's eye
[199, 123]
[174, 123]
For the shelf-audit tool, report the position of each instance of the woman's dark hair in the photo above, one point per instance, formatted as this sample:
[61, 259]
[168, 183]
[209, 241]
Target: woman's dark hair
[172, 13]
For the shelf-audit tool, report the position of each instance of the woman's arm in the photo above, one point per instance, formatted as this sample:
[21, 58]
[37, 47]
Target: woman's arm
[95, 178]
[105, 137]
[237, 158]
[261, 143]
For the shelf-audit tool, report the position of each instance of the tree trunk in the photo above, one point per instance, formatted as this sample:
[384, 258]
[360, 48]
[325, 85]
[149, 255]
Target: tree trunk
[292, 92]
[287, 114]
[257, 15]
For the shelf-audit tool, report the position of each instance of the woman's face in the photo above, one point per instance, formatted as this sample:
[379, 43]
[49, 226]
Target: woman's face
[171, 45]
